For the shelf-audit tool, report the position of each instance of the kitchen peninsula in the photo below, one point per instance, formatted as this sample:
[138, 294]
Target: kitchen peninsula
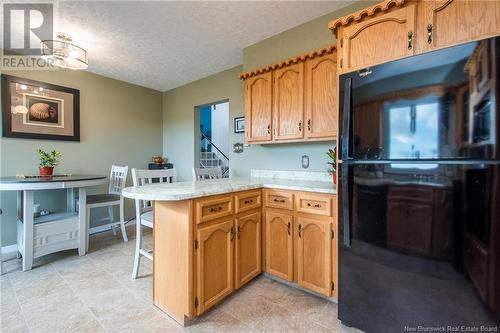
[212, 237]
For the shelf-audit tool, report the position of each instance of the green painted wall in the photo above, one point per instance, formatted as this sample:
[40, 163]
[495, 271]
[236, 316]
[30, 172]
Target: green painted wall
[179, 135]
[121, 124]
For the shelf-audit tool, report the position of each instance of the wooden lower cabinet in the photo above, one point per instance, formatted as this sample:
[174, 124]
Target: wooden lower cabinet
[314, 253]
[215, 271]
[279, 244]
[248, 247]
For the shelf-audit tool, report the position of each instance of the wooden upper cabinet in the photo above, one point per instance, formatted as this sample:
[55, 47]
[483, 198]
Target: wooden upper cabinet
[248, 247]
[449, 22]
[258, 108]
[288, 107]
[314, 254]
[321, 97]
[381, 38]
[279, 244]
[215, 274]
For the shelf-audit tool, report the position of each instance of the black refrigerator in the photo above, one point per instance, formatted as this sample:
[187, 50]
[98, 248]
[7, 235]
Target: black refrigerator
[419, 231]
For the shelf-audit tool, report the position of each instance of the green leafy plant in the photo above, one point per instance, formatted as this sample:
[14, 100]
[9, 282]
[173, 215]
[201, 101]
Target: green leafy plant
[332, 153]
[49, 159]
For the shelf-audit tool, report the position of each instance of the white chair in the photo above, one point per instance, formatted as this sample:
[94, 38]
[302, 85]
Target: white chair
[143, 209]
[114, 197]
[207, 173]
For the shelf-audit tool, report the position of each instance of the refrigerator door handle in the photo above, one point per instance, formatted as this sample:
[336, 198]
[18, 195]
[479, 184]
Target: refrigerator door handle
[346, 223]
[346, 119]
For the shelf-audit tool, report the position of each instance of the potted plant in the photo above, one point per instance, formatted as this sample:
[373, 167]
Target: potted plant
[332, 154]
[48, 161]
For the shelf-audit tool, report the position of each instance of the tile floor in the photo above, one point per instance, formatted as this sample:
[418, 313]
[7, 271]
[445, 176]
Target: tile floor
[95, 293]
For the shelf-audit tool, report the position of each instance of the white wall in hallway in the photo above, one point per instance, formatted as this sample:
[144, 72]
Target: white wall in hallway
[220, 128]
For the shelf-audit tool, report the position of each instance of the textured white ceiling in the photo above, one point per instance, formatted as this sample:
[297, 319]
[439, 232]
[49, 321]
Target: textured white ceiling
[163, 45]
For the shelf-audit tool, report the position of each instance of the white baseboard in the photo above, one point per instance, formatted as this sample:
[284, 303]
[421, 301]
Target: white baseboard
[9, 252]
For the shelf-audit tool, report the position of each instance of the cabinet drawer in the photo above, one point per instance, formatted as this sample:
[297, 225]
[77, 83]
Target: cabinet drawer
[213, 208]
[314, 204]
[247, 201]
[279, 199]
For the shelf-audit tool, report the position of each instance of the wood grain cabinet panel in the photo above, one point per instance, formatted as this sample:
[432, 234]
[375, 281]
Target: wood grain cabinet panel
[288, 108]
[215, 272]
[378, 39]
[279, 244]
[258, 108]
[248, 248]
[314, 254]
[450, 22]
[321, 97]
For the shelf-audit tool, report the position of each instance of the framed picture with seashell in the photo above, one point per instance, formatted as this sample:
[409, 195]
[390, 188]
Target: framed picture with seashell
[38, 110]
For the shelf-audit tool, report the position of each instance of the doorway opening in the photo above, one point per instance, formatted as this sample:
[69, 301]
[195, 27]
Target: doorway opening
[213, 137]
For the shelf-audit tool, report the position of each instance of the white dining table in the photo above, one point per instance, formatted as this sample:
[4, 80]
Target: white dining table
[26, 186]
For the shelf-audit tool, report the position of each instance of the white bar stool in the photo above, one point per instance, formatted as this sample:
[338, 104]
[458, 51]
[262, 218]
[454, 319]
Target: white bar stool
[143, 209]
[207, 173]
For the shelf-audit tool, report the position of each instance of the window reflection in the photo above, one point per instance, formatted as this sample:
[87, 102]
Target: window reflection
[413, 132]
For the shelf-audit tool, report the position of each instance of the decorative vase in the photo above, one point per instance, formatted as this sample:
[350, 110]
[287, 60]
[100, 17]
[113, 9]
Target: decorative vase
[46, 170]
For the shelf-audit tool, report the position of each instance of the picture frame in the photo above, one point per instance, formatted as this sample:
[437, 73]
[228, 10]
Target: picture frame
[239, 125]
[39, 110]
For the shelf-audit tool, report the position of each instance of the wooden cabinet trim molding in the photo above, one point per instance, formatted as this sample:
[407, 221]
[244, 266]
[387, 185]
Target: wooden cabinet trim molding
[328, 49]
[361, 14]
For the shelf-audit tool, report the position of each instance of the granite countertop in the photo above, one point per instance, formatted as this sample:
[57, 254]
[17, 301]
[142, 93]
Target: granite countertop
[190, 190]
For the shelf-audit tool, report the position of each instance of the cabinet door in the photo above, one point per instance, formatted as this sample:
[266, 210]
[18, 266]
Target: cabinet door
[248, 253]
[379, 39]
[288, 95]
[258, 108]
[449, 22]
[215, 273]
[320, 96]
[314, 254]
[409, 227]
[279, 245]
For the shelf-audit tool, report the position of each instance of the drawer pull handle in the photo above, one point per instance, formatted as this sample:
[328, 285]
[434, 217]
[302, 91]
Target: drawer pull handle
[300, 230]
[239, 231]
[248, 202]
[309, 125]
[232, 234]
[280, 200]
[410, 40]
[215, 209]
[289, 228]
[429, 34]
[316, 205]
[268, 129]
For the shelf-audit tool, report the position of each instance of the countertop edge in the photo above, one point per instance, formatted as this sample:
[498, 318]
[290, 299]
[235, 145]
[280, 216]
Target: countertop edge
[180, 197]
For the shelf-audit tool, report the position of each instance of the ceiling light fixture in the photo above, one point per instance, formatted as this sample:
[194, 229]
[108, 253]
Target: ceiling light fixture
[63, 53]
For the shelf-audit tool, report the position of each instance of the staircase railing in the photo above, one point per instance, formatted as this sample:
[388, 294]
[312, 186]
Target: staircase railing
[206, 145]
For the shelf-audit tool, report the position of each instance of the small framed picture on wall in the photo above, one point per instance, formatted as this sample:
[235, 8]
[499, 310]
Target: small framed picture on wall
[39, 110]
[239, 125]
